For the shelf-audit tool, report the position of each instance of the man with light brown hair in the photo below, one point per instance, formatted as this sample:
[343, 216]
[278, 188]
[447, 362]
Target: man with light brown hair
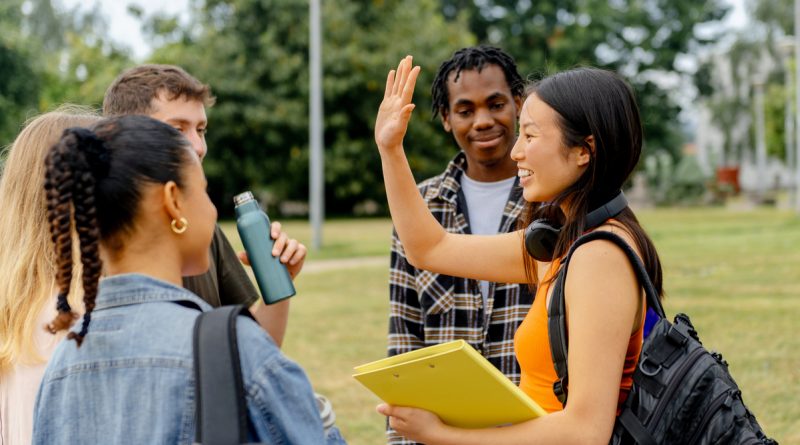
[173, 96]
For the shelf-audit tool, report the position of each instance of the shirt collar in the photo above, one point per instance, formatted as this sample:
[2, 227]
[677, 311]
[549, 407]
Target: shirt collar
[125, 289]
[450, 185]
[447, 189]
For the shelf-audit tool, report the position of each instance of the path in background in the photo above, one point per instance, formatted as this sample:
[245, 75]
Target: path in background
[734, 272]
[315, 266]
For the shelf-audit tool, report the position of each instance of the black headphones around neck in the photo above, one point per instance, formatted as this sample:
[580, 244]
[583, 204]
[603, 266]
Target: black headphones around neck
[541, 235]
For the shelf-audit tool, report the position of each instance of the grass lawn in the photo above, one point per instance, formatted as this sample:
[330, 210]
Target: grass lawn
[734, 273]
[342, 238]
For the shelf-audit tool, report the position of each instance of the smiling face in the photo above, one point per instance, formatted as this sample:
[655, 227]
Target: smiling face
[545, 166]
[187, 116]
[481, 116]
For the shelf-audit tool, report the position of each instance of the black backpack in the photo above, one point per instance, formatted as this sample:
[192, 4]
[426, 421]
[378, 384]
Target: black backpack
[681, 394]
[221, 409]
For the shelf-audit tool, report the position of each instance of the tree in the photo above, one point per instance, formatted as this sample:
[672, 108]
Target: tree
[726, 80]
[49, 57]
[777, 16]
[255, 57]
[19, 86]
[19, 80]
[82, 63]
[642, 39]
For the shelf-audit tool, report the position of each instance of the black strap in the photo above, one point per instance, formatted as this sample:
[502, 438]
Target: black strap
[635, 428]
[557, 332]
[221, 410]
[556, 313]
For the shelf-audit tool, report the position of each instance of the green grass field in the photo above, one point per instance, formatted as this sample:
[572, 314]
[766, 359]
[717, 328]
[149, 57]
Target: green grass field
[734, 273]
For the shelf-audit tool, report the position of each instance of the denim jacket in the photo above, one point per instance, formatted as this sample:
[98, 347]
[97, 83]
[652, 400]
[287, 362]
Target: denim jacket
[132, 379]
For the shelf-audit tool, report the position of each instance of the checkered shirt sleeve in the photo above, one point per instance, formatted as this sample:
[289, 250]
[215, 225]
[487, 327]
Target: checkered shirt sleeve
[427, 308]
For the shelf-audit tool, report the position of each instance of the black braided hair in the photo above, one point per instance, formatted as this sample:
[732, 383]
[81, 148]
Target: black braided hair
[94, 178]
[58, 189]
[71, 167]
[473, 58]
[91, 163]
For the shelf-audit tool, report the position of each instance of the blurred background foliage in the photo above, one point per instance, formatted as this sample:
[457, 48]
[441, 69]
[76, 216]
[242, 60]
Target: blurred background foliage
[254, 54]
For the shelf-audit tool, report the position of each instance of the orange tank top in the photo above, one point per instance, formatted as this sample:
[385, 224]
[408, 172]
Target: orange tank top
[532, 348]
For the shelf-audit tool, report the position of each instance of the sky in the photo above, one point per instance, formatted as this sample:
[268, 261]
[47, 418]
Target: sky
[124, 28]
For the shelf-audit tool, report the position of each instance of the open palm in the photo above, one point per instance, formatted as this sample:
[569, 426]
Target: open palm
[396, 107]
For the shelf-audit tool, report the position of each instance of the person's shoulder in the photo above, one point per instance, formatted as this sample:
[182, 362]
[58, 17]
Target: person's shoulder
[262, 362]
[603, 254]
[256, 347]
[219, 236]
[617, 229]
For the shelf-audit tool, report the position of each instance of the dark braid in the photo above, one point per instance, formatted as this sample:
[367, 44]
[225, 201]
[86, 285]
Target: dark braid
[473, 58]
[70, 184]
[58, 187]
[89, 236]
[84, 183]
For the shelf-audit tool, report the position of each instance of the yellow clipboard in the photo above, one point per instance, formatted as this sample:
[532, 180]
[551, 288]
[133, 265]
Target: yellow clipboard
[452, 380]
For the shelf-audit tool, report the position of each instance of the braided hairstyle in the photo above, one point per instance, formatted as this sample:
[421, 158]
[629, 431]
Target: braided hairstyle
[93, 180]
[473, 58]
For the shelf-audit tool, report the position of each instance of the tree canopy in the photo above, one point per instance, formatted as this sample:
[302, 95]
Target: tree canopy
[254, 54]
[255, 57]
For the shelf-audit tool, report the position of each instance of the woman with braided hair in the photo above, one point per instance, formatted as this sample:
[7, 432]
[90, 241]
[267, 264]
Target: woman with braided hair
[133, 190]
[28, 264]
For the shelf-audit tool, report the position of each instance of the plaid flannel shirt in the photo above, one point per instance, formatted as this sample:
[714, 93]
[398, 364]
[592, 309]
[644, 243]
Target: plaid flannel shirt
[428, 308]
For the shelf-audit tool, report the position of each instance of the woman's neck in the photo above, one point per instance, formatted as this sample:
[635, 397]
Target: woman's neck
[147, 257]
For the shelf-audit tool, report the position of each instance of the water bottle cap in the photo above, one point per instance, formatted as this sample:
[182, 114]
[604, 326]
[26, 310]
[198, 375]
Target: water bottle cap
[242, 198]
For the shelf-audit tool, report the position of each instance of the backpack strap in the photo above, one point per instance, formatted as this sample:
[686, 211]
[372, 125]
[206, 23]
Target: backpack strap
[557, 313]
[221, 411]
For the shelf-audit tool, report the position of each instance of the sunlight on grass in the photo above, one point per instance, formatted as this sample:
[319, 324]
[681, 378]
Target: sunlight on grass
[341, 238]
[734, 273]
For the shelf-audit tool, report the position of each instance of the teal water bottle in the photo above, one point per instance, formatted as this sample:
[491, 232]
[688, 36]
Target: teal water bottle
[254, 229]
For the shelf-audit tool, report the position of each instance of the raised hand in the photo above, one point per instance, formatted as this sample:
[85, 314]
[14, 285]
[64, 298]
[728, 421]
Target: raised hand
[396, 107]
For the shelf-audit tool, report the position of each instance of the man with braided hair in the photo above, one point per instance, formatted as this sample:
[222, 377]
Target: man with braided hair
[478, 94]
[173, 96]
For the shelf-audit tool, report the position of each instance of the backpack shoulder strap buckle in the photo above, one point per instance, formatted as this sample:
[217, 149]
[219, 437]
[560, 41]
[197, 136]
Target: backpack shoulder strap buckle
[560, 390]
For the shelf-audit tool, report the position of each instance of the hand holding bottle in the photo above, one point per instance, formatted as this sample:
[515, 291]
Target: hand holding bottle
[254, 228]
[291, 252]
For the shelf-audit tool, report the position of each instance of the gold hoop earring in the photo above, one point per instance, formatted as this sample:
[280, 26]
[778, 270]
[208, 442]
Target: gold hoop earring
[182, 228]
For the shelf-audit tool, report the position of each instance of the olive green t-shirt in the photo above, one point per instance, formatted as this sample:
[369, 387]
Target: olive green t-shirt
[226, 281]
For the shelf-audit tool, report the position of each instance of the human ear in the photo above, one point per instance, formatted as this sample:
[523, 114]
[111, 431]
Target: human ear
[585, 151]
[171, 195]
[518, 104]
[445, 120]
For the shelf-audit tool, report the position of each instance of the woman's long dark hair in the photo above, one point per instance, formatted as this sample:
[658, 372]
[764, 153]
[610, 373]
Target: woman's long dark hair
[93, 180]
[598, 103]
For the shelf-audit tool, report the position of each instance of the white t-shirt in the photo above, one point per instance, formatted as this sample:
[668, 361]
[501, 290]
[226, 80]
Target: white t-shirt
[485, 204]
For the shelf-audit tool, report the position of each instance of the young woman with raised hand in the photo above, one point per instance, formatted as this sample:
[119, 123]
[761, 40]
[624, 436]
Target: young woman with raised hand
[580, 139]
[28, 265]
[133, 190]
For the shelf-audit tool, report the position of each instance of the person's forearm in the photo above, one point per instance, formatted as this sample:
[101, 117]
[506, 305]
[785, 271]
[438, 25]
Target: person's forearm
[417, 229]
[556, 428]
[272, 318]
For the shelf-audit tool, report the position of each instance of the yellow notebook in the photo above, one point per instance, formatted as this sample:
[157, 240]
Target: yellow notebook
[452, 380]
